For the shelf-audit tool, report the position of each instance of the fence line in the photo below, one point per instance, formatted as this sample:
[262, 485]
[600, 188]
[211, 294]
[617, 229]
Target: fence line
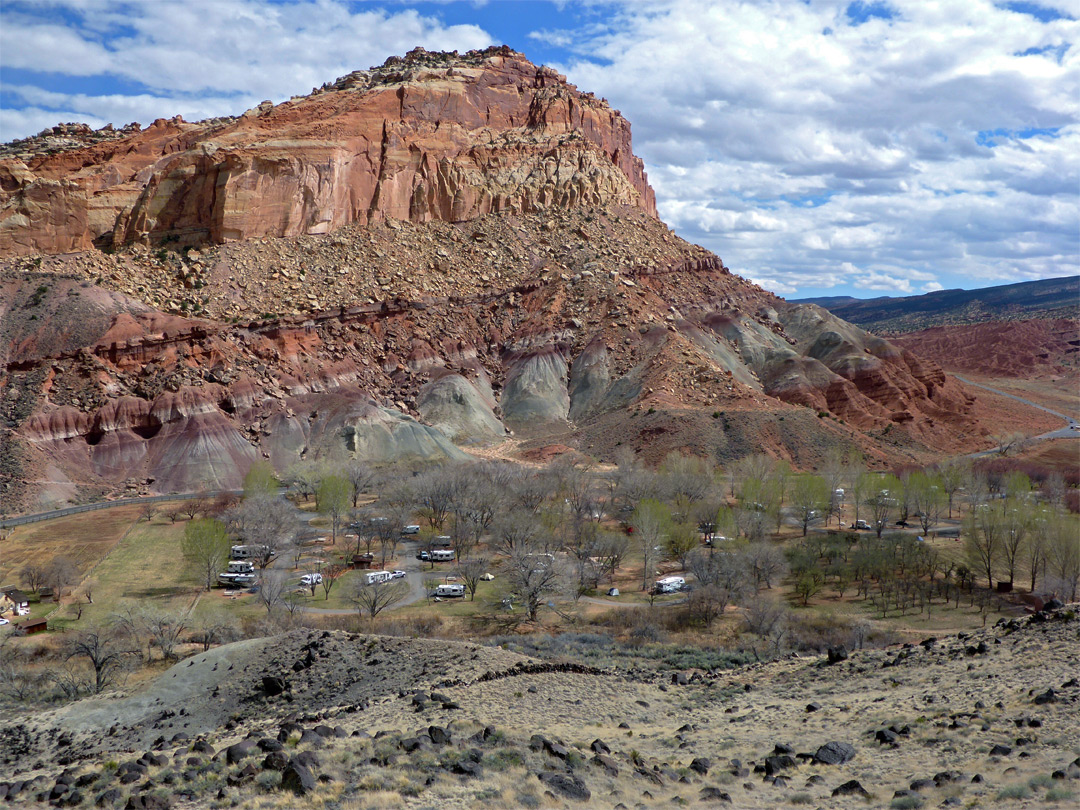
[22, 520]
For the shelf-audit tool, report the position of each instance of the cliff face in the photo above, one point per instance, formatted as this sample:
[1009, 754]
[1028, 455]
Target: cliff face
[427, 137]
[496, 271]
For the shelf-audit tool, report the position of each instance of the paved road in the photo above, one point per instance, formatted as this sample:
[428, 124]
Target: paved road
[1067, 432]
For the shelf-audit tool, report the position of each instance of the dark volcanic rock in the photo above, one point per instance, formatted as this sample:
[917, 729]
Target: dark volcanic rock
[834, 753]
[298, 778]
[566, 785]
[852, 788]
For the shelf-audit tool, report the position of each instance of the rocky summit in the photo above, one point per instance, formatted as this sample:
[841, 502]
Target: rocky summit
[441, 253]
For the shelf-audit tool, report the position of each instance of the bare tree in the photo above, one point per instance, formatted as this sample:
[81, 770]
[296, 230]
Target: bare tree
[330, 574]
[472, 573]
[651, 522]
[32, 576]
[193, 507]
[60, 574]
[106, 651]
[516, 529]
[767, 618]
[215, 627]
[272, 589]
[531, 574]
[372, 599]
[147, 510]
[767, 564]
[722, 579]
[164, 629]
[1063, 558]
[983, 539]
[267, 522]
[879, 496]
[359, 475]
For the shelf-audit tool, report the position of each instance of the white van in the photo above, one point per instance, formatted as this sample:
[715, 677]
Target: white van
[442, 555]
[371, 577]
[450, 591]
[670, 584]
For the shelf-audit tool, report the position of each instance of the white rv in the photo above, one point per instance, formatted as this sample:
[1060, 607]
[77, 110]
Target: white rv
[450, 591]
[442, 555]
[249, 551]
[371, 577]
[670, 584]
[239, 574]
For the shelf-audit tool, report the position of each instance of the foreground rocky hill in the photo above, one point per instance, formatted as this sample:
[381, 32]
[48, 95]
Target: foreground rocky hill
[985, 719]
[443, 252]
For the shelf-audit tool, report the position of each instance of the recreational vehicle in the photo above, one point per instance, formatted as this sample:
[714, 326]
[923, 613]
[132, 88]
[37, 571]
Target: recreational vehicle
[250, 551]
[239, 574]
[450, 591]
[371, 577]
[670, 584]
[442, 555]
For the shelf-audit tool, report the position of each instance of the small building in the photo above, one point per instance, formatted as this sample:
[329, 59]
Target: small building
[15, 601]
[32, 626]
[363, 561]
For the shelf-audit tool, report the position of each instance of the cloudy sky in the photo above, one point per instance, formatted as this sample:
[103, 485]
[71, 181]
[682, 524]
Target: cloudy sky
[821, 148]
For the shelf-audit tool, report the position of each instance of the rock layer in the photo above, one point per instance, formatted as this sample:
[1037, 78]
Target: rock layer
[427, 137]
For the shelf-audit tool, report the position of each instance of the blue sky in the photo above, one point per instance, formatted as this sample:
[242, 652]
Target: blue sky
[821, 148]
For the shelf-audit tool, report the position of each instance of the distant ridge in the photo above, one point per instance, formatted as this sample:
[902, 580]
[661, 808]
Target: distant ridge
[1047, 298]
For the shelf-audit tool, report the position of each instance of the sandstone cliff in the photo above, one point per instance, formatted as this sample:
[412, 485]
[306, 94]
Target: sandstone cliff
[427, 137]
[496, 274]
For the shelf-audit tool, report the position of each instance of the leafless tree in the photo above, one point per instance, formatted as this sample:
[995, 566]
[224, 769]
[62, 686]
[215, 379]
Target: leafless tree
[105, 650]
[651, 522]
[215, 627]
[722, 579]
[531, 575]
[516, 529]
[952, 475]
[147, 510]
[359, 475]
[164, 629]
[983, 530]
[272, 588]
[330, 574]
[685, 481]
[199, 505]
[472, 572]
[767, 564]
[60, 574]
[269, 522]
[32, 576]
[372, 599]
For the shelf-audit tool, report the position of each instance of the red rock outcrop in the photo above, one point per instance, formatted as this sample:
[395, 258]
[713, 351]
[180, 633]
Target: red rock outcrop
[428, 137]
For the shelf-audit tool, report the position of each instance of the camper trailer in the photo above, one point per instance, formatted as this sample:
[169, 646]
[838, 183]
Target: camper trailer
[441, 555]
[250, 551]
[371, 577]
[450, 591]
[670, 584]
[239, 574]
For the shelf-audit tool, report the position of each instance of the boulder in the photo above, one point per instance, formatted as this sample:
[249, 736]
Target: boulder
[298, 778]
[834, 753]
[568, 786]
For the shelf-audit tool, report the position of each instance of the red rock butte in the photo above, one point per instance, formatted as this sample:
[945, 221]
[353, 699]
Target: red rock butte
[431, 136]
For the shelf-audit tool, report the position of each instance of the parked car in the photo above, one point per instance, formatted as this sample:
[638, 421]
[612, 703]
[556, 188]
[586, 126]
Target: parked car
[3, 622]
[397, 574]
[861, 524]
[412, 528]
[424, 555]
[311, 579]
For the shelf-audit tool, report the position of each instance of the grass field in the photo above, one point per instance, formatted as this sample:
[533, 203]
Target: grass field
[85, 538]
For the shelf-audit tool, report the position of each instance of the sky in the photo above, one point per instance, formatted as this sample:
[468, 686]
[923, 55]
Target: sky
[820, 148]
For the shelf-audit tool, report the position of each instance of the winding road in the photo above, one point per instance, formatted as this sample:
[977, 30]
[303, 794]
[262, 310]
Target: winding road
[1070, 430]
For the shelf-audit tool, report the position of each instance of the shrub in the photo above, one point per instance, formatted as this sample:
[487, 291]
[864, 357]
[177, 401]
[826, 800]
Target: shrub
[906, 803]
[1059, 794]
[1043, 780]
[268, 780]
[1014, 792]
